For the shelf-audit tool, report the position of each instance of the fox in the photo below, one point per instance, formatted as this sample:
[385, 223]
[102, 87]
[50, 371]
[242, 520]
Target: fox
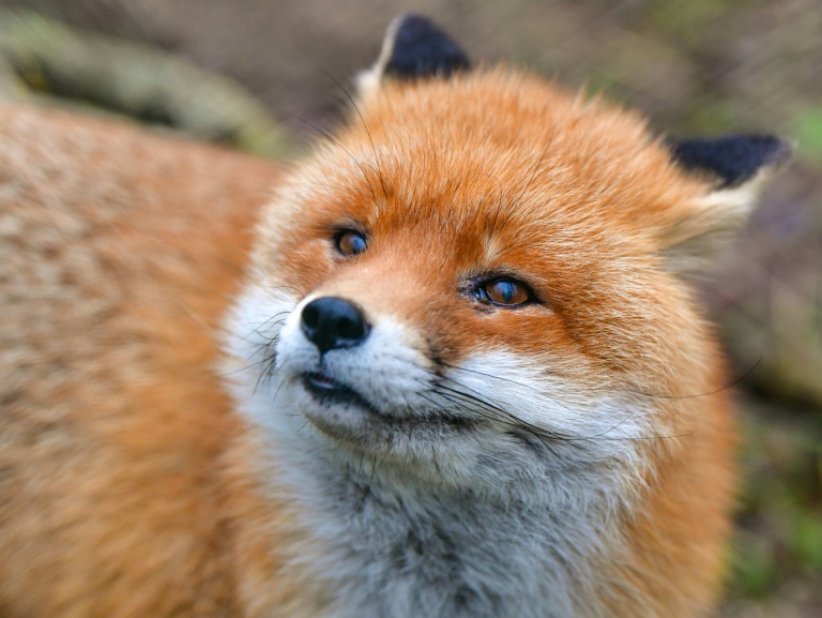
[450, 363]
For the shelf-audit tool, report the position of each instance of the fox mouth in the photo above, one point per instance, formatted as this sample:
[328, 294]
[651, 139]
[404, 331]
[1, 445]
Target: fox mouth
[327, 390]
[331, 392]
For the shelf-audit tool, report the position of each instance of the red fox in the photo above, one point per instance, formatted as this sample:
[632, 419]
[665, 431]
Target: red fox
[461, 373]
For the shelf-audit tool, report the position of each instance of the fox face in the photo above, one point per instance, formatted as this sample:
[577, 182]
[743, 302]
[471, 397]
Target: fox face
[483, 265]
[477, 286]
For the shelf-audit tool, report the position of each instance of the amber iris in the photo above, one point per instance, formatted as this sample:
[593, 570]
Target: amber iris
[350, 243]
[506, 292]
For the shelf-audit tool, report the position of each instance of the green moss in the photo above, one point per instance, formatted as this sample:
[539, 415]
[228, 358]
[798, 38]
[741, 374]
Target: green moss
[808, 131]
[806, 541]
[136, 81]
[753, 568]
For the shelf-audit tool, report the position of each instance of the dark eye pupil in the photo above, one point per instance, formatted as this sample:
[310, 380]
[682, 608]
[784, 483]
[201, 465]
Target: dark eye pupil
[506, 290]
[358, 244]
[351, 243]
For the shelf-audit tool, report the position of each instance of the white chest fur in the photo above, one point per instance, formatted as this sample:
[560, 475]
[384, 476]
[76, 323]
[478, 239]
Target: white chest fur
[394, 550]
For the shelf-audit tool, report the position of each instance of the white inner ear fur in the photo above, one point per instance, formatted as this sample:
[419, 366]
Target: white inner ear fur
[695, 243]
[368, 80]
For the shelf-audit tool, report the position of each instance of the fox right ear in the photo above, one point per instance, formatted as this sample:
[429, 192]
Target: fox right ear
[414, 48]
[736, 167]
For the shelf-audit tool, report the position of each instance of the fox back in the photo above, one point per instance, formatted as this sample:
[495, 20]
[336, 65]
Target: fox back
[462, 373]
[118, 253]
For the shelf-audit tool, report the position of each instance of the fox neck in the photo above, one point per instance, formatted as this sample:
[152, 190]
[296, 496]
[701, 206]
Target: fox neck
[389, 545]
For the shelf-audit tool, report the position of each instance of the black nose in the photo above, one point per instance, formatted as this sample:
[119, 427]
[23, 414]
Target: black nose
[331, 323]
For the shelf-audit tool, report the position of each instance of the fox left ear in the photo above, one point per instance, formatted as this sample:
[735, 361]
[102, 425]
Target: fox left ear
[730, 160]
[737, 166]
[414, 48]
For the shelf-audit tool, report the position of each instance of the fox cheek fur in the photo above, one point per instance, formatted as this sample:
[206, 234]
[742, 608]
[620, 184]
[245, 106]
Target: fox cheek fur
[570, 455]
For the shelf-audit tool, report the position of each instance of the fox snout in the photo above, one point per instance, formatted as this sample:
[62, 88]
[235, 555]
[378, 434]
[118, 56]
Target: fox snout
[331, 323]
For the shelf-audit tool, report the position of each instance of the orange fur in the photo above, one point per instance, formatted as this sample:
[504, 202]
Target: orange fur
[119, 252]
[128, 486]
[618, 320]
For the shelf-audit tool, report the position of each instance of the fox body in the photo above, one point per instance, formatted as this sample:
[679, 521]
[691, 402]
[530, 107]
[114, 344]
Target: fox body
[460, 374]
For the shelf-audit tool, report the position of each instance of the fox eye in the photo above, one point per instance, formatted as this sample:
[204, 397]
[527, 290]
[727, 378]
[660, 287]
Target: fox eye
[350, 242]
[505, 292]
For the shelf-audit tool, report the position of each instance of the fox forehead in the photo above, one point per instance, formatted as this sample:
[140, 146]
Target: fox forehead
[495, 153]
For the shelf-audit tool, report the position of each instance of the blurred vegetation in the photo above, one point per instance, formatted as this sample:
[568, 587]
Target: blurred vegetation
[221, 70]
[40, 56]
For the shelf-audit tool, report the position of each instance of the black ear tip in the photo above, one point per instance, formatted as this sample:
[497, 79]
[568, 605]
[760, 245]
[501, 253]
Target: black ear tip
[772, 150]
[781, 150]
[421, 49]
[733, 159]
[414, 21]
[412, 28]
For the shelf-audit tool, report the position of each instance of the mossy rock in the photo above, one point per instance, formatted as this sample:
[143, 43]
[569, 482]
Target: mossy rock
[52, 60]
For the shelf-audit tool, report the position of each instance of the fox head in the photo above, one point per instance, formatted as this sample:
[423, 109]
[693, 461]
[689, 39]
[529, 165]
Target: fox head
[480, 279]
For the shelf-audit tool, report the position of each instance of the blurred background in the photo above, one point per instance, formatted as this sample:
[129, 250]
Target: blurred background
[261, 75]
